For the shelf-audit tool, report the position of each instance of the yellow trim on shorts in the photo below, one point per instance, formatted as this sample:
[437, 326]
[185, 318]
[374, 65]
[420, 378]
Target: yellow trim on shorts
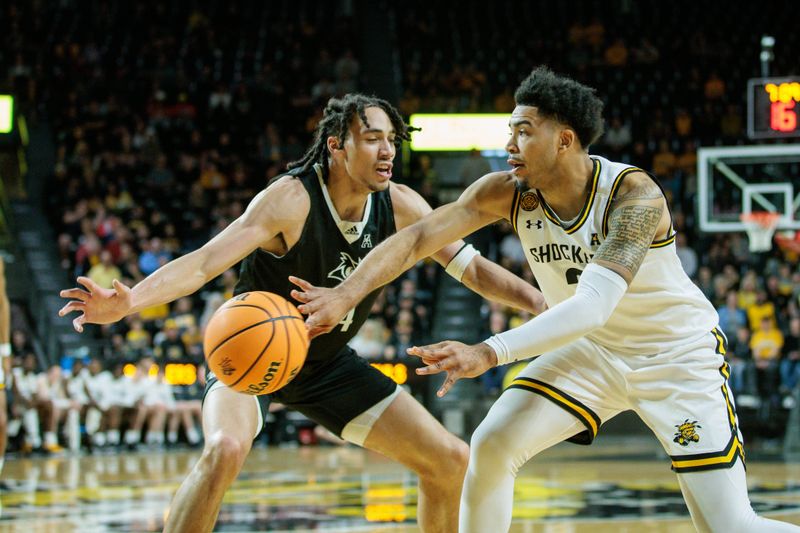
[709, 461]
[583, 413]
[722, 343]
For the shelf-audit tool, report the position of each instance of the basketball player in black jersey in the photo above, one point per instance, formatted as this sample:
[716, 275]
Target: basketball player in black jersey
[336, 204]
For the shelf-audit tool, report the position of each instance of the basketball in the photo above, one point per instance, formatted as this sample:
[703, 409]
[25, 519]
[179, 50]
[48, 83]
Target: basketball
[256, 342]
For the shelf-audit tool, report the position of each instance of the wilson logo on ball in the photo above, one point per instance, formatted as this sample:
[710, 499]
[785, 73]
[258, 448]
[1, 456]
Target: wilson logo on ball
[227, 367]
[265, 381]
[256, 342]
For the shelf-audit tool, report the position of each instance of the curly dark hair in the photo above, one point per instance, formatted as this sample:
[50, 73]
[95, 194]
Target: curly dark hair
[336, 123]
[564, 100]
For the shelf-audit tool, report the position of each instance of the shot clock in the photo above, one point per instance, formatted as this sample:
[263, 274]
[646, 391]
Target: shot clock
[773, 106]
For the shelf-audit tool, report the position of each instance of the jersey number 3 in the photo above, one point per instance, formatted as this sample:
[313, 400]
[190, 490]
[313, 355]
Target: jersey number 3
[573, 275]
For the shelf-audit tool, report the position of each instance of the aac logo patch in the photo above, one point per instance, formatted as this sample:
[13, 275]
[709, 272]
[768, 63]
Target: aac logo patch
[529, 201]
[687, 432]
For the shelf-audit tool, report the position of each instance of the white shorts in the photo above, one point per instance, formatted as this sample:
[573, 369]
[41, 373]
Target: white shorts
[682, 395]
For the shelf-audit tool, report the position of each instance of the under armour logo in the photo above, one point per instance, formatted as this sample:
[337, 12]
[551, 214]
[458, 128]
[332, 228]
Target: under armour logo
[366, 242]
[530, 223]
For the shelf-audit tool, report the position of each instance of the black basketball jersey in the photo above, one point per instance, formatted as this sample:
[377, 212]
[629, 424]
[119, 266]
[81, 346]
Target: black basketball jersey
[324, 257]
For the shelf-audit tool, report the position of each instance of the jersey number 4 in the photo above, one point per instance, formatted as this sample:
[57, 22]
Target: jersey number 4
[348, 319]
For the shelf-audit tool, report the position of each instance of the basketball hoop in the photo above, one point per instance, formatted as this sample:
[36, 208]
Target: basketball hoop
[760, 227]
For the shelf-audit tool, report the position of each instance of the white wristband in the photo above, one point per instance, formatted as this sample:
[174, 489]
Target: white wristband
[459, 263]
[5, 349]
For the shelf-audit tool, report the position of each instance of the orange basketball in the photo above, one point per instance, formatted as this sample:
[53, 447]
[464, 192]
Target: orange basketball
[256, 342]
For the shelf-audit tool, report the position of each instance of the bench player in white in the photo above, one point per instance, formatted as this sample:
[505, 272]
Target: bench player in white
[626, 328]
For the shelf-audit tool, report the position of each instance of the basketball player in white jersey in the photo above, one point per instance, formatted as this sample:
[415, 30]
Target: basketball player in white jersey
[626, 328]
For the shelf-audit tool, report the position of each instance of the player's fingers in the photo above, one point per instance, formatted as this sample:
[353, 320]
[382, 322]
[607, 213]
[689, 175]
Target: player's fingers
[74, 305]
[90, 285]
[431, 350]
[307, 308]
[441, 365]
[317, 331]
[299, 296]
[77, 294]
[303, 284]
[120, 287]
[78, 323]
[448, 384]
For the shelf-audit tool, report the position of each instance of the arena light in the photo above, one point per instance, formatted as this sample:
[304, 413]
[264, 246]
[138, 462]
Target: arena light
[459, 132]
[6, 113]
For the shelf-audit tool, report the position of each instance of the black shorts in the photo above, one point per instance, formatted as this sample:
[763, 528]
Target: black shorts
[331, 393]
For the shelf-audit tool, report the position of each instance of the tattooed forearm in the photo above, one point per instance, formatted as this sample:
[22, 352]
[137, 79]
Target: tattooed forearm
[631, 231]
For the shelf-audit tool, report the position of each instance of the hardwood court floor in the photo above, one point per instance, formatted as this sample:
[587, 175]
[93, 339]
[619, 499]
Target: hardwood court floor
[619, 485]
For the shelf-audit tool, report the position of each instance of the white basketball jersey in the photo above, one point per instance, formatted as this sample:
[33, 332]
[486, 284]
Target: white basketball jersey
[662, 308]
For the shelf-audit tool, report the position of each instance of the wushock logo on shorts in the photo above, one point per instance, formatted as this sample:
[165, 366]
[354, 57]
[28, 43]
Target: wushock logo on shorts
[687, 432]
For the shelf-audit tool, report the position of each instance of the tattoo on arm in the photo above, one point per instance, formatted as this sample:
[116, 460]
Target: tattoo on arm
[630, 234]
[643, 189]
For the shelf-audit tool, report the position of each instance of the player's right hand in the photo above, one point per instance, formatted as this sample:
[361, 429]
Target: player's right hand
[96, 305]
[325, 307]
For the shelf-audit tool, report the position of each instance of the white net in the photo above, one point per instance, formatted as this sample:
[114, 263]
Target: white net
[760, 227]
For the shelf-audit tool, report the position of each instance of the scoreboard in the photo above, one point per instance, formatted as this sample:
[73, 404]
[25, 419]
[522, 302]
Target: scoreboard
[773, 105]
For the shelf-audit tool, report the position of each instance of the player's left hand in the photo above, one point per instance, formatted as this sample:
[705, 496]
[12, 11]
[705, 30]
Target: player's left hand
[459, 360]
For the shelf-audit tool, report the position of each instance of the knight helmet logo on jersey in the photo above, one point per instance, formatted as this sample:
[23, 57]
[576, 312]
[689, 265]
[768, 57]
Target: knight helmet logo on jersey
[345, 267]
[687, 432]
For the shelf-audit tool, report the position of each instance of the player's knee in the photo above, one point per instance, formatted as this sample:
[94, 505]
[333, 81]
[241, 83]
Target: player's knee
[225, 454]
[448, 463]
[488, 448]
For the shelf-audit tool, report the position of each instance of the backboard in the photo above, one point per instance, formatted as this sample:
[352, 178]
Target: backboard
[742, 179]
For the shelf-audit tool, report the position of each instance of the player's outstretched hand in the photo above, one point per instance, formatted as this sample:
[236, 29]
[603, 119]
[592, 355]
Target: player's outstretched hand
[459, 360]
[95, 304]
[325, 307]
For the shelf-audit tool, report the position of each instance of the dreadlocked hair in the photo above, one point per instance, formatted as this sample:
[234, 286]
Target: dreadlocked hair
[336, 119]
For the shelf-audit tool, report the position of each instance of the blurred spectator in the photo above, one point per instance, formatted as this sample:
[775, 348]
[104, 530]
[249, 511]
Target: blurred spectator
[687, 255]
[683, 123]
[748, 291]
[104, 272]
[761, 309]
[371, 339]
[618, 136]
[153, 256]
[137, 338]
[714, 88]
[731, 124]
[790, 363]
[731, 316]
[766, 345]
[664, 160]
[616, 55]
[740, 358]
[171, 349]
